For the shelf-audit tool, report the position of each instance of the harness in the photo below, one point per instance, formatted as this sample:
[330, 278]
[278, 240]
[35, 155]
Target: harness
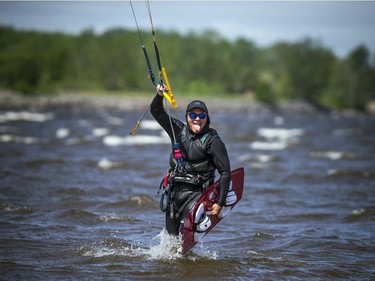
[179, 174]
[169, 186]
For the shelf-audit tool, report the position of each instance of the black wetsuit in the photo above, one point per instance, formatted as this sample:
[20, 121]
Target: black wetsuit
[213, 156]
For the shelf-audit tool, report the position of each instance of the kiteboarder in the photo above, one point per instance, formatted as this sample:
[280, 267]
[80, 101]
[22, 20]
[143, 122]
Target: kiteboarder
[198, 153]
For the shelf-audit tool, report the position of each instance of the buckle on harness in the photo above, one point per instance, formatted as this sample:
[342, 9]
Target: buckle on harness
[165, 182]
[165, 200]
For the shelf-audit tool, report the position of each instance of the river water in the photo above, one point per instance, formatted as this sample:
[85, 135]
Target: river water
[78, 197]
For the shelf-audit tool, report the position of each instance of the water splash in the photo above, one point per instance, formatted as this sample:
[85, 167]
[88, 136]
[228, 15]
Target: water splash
[162, 247]
[168, 247]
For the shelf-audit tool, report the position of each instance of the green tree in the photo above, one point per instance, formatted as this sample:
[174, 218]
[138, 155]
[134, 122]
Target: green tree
[304, 68]
[202, 63]
[352, 84]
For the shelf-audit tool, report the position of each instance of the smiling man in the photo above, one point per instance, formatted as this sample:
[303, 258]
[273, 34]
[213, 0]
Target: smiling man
[201, 152]
[196, 116]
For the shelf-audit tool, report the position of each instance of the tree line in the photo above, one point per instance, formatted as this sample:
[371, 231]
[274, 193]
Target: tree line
[33, 62]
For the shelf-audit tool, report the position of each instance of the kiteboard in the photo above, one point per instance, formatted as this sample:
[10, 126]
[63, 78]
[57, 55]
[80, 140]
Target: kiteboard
[208, 198]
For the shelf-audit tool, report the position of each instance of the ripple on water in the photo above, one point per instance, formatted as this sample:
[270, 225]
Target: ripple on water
[6, 207]
[162, 247]
[136, 201]
[362, 214]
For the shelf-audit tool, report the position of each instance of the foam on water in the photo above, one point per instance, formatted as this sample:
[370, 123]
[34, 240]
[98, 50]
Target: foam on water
[114, 140]
[261, 158]
[261, 145]
[62, 133]
[25, 116]
[107, 248]
[276, 138]
[279, 133]
[18, 139]
[106, 164]
[334, 155]
[362, 214]
[13, 208]
[162, 247]
[99, 132]
[150, 125]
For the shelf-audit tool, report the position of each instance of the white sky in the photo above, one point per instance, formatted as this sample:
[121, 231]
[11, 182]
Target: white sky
[339, 25]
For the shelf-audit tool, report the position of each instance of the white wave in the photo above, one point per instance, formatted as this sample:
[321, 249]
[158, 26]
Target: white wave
[332, 172]
[99, 132]
[276, 138]
[12, 208]
[62, 133]
[280, 133]
[334, 155]
[262, 158]
[359, 212]
[114, 140]
[150, 125]
[261, 145]
[105, 164]
[25, 116]
[19, 139]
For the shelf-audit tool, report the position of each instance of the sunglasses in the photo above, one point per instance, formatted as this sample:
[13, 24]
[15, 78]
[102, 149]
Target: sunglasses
[193, 115]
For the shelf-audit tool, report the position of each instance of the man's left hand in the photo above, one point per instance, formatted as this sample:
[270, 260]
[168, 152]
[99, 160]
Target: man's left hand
[215, 209]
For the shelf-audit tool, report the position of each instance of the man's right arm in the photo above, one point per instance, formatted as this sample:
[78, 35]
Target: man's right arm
[158, 112]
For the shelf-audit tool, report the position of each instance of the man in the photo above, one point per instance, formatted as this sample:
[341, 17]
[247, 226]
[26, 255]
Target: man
[202, 153]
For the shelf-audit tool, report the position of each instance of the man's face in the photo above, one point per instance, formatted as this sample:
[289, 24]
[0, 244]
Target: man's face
[197, 119]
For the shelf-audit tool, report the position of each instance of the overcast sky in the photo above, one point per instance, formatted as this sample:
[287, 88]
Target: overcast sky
[340, 25]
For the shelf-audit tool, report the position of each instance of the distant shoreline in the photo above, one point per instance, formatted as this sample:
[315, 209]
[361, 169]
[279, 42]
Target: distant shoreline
[10, 100]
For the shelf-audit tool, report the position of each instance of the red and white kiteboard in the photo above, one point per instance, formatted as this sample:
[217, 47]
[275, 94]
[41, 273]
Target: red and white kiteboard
[208, 198]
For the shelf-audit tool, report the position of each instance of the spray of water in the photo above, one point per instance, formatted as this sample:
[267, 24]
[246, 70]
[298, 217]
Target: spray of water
[162, 247]
[168, 247]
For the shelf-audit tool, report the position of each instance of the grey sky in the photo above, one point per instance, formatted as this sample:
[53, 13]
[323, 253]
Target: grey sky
[339, 25]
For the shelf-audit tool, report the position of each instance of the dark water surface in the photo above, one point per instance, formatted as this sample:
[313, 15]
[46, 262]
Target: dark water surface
[78, 198]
